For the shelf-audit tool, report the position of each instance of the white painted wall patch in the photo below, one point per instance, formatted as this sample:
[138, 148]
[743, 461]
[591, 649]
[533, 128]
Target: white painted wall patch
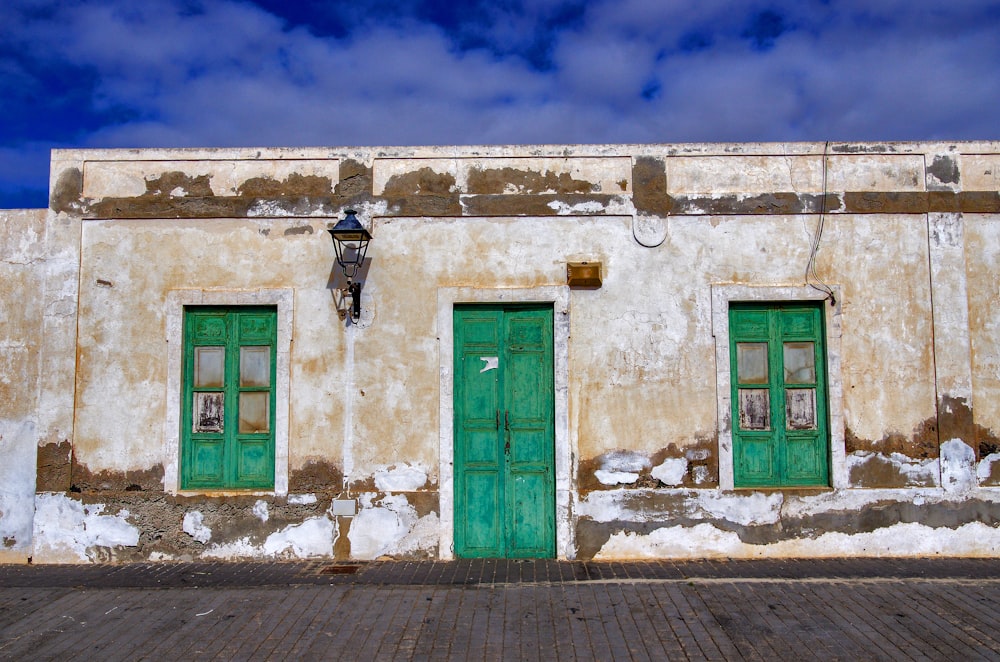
[671, 471]
[403, 478]
[390, 527]
[313, 537]
[615, 477]
[958, 471]
[67, 531]
[194, 526]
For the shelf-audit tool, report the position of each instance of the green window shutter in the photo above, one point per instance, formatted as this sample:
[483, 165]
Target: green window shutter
[228, 398]
[779, 398]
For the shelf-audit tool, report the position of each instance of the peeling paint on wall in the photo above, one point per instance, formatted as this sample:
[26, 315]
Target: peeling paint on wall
[17, 489]
[867, 469]
[671, 471]
[690, 466]
[649, 506]
[69, 531]
[900, 540]
[958, 471]
[403, 478]
[312, 538]
[988, 469]
[194, 526]
[620, 467]
[697, 523]
[615, 477]
[390, 526]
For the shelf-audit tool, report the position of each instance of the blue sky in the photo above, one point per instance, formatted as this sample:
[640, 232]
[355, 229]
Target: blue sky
[218, 73]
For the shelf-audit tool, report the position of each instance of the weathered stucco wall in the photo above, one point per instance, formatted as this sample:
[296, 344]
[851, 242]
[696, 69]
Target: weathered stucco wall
[908, 242]
[888, 352]
[22, 279]
[982, 235]
[128, 270]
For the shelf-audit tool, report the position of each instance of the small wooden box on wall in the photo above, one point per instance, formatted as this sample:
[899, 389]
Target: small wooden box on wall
[584, 275]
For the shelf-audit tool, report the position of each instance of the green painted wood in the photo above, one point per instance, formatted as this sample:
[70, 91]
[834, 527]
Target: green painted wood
[234, 449]
[529, 399]
[479, 462]
[776, 443]
[504, 432]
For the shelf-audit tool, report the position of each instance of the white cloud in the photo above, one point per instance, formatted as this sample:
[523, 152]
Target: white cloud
[226, 72]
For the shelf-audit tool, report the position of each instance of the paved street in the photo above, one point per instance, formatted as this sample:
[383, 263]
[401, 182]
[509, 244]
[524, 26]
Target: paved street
[531, 610]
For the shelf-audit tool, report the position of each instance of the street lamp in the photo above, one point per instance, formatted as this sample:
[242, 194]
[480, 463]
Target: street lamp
[350, 240]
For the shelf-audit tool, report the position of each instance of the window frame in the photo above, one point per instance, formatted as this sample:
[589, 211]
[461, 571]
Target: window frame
[724, 293]
[769, 429]
[227, 437]
[176, 302]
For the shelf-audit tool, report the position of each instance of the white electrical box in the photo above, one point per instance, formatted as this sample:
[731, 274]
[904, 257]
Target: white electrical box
[346, 507]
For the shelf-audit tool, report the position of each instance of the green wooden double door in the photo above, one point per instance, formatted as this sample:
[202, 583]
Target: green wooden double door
[779, 395]
[504, 431]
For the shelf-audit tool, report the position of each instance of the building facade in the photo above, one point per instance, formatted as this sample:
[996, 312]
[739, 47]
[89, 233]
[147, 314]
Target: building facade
[607, 351]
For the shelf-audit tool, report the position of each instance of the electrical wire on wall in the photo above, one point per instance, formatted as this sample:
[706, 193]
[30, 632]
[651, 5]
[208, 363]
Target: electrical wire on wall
[812, 278]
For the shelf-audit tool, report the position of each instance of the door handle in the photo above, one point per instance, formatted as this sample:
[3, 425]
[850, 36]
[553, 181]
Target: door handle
[498, 419]
[506, 426]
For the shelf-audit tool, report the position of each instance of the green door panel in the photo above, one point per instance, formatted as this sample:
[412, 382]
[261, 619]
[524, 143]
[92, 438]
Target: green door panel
[530, 534]
[481, 530]
[748, 324]
[755, 460]
[205, 461]
[779, 398]
[805, 460]
[478, 457]
[256, 328]
[504, 432]
[253, 461]
[799, 323]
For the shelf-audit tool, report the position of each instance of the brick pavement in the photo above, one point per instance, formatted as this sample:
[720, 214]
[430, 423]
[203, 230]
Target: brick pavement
[850, 609]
